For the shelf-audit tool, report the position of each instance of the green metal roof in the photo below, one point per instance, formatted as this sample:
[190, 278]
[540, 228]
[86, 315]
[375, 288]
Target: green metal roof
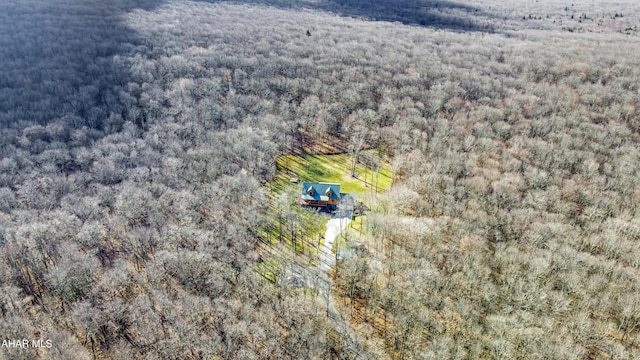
[320, 191]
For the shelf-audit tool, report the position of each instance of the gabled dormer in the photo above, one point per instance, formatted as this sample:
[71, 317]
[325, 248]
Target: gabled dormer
[320, 194]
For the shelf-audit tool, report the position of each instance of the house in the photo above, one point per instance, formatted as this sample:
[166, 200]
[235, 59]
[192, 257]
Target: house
[320, 194]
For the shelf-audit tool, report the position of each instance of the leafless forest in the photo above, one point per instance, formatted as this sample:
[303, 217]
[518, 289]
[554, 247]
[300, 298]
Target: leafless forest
[136, 140]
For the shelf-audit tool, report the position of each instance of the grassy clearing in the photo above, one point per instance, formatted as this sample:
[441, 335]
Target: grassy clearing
[296, 231]
[334, 169]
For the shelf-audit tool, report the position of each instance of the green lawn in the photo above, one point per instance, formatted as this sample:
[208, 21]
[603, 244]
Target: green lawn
[333, 169]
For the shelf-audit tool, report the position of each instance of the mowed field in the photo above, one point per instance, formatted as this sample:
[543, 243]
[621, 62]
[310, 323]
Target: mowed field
[333, 169]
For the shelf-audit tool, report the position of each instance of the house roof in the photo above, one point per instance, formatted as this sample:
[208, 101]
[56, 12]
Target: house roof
[320, 191]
